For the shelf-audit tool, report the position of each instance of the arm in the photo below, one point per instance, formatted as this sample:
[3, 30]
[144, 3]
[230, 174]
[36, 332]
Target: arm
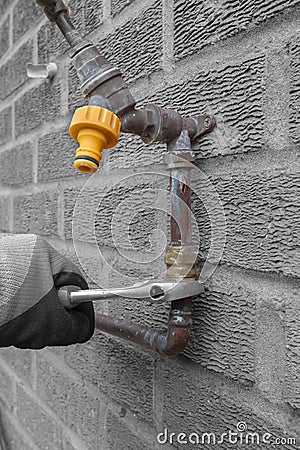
[31, 315]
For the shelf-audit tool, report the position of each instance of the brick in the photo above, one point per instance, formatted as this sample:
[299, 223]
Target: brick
[118, 436]
[7, 389]
[36, 107]
[202, 403]
[4, 6]
[224, 324]
[132, 152]
[276, 100]
[6, 124]
[233, 93]
[136, 47]
[126, 225]
[122, 373]
[70, 400]
[26, 14]
[42, 428]
[263, 223]
[295, 90]
[20, 361]
[13, 435]
[137, 311]
[292, 392]
[51, 43]
[56, 153]
[14, 70]
[199, 23]
[118, 5]
[4, 213]
[271, 348]
[16, 166]
[75, 97]
[4, 37]
[36, 213]
[87, 16]
[128, 268]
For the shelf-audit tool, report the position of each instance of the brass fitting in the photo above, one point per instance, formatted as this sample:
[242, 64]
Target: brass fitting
[94, 128]
[181, 262]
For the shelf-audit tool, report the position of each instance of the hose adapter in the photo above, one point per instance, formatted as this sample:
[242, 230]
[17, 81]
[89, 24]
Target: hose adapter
[95, 129]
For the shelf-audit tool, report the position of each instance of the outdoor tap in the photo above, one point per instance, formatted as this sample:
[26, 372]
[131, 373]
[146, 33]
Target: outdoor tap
[111, 109]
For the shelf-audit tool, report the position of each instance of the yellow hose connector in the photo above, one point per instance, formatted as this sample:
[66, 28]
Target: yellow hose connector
[95, 129]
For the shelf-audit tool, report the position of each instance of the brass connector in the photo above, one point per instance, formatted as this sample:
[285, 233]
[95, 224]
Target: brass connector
[181, 262]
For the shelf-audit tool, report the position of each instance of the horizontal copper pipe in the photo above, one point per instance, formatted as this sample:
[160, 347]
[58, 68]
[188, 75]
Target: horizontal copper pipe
[167, 343]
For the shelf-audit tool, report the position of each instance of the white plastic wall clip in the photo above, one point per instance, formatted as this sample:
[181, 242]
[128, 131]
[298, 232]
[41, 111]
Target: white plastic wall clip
[41, 70]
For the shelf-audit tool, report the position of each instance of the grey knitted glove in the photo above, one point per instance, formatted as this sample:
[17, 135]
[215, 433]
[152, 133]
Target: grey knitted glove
[31, 315]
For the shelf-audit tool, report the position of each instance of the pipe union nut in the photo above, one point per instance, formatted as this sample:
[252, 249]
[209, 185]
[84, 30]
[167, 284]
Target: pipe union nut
[181, 261]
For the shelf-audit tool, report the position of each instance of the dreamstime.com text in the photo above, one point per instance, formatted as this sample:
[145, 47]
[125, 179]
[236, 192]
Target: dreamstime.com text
[240, 436]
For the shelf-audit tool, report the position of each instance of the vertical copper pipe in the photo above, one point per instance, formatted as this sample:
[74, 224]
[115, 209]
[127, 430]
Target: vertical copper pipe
[172, 341]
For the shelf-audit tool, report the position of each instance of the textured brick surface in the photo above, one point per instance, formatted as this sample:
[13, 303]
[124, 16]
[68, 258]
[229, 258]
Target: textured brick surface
[4, 6]
[120, 215]
[293, 349]
[119, 436]
[7, 390]
[50, 43]
[4, 41]
[131, 152]
[199, 23]
[4, 213]
[36, 213]
[295, 91]
[12, 436]
[20, 361]
[37, 106]
[87, 16]
[40, 426]
[16, 166]
[219, 408]
[233, 93]
[56, 153]
[14, 71]
[271, 346]
[68, 398]
[5, 124]
[262, 220]
[75, 99]
[122, 373]
[136, 47]
[223, 334]
[118, 5]
[26, 15]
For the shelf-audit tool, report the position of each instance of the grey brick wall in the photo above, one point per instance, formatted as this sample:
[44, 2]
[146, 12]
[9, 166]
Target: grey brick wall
[240, 61]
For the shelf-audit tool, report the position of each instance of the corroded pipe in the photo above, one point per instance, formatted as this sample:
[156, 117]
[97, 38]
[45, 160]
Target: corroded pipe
[167, 343]
[172, 341]
[103, 84]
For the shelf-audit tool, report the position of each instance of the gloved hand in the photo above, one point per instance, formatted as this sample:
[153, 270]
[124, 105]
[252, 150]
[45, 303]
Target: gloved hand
[31, 315]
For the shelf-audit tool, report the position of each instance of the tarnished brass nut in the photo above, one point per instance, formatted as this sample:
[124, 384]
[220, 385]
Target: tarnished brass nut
[181, 261]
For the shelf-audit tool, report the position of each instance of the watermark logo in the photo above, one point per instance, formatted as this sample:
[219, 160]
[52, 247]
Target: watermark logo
[112, 205]
[241, 436]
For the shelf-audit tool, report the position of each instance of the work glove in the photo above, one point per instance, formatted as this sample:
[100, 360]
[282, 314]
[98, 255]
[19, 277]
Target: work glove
[31, 315]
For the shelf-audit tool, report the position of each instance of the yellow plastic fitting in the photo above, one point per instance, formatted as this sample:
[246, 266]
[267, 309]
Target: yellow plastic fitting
[95, 129]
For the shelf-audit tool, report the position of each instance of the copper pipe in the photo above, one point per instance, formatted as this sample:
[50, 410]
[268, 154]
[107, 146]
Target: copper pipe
[166, 343]
[172, 341]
